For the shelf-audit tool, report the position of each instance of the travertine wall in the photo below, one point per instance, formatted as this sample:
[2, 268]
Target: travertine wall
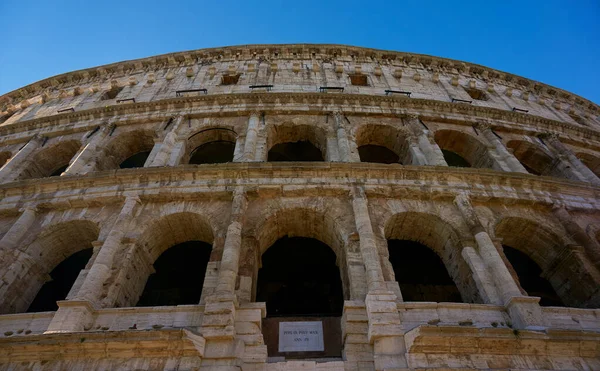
[131, 216]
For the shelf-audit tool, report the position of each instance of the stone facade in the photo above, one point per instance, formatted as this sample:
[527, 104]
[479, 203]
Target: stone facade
[532, 184]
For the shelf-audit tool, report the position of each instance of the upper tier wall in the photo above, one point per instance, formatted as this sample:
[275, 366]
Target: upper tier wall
[294, 68]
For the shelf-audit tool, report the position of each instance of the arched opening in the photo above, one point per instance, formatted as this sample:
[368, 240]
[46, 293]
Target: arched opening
[299, 277]
[211, 146]
[453, 159]
[213, 153]
[63, 277]
[591, 161]
[530, 277]
[383, 144]
[178, 277]
[463, 150]
[377, 154]
[127, 150]
[421, 273]
[135, 161]
[295, 143]
[543, 255]
[294, 151]
[51, 161]
[169, 263]
[535, 160]
[303, 275]
[48, 267]
[428, 247]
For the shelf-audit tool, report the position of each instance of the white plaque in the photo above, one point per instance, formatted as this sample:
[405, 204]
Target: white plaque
[301, 336]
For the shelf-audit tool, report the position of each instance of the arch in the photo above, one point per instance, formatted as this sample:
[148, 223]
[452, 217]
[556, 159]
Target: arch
[288, 142]
[535, 160]
[55, 244]
[591, 161]
[50, 161]
[382, 144]
[125, 146]
[308, 223]
[463, 150]
[181, 239]
[211, 146]
[173, 229]
[430, 231]
[570, 277]
[4, 157]
[299, 277]
[178, 275]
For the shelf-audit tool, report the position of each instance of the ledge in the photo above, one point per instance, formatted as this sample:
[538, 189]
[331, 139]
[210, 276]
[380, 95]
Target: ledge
[162, 343]
[265, 179]
[296, 103]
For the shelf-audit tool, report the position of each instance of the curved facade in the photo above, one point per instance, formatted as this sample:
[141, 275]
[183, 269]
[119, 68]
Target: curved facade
[286, 207]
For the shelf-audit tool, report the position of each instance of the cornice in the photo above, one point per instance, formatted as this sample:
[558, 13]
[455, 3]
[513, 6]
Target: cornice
[287, 102]
[193, 182]
[295, 51]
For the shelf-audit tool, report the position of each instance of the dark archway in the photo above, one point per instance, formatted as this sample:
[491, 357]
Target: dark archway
[216, 152]
[421, 273]
[302, 150]
[534, 159]
[453, 159]
[530, 278]
[299, 277]
[179, 275]
[52, 160]
[461, 149]
[63, 277]
[377, 154]
[135, 161]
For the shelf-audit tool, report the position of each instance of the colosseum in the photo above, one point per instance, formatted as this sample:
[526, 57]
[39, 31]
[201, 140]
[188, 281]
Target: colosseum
[298, 208]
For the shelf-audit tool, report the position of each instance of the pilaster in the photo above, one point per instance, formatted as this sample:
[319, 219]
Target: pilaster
[525, 311]
[573, 166]
[252, 136]
[15, 165]
[84, 162]
[432, 152]
[506, 160]
[163, 153]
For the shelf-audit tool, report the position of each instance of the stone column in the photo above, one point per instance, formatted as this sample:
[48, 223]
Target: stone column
[219, 314]
[12, 258]
[426, 143]
[524, 311]
[84, 161]
[384, 331]
[233, 240]
[344, 150]
[165, 149]
[591, 246]
[501, 153]
[481, 275]
[417, 156]
[13, 168]
[251, 136]
[572, 164]
[368, 248]
[16, 232]
[74, 315]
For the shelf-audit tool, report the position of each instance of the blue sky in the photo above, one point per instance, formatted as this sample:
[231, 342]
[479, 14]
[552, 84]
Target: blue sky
[556, 42]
